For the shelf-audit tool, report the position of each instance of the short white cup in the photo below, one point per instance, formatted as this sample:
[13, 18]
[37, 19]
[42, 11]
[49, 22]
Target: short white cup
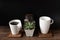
[44, 23]
[15, 28]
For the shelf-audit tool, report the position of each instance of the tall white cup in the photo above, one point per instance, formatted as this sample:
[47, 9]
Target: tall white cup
[15, 28]
[44, 23]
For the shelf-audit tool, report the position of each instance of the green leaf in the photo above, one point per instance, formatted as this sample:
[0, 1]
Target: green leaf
[29, 25]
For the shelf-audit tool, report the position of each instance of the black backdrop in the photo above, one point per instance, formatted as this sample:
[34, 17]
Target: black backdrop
[17, 9]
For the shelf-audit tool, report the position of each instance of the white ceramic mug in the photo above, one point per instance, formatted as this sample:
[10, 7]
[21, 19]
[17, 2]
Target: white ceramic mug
[15, 28]
[44, 23]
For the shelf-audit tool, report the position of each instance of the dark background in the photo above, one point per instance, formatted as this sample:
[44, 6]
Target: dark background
[17, 9]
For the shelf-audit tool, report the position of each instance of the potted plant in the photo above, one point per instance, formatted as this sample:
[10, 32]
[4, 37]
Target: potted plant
[29, 27]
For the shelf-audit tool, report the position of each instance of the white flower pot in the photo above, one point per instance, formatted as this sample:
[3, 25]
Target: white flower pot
[29, 33]
[15, 28]
[45, 23]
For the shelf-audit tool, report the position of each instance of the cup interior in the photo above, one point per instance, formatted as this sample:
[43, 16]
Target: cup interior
[14, 23]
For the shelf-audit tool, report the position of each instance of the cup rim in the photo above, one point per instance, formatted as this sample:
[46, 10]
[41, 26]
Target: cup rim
[17, 20]
[45, 16]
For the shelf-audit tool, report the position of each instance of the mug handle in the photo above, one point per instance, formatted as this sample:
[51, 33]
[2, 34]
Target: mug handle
[52, 21]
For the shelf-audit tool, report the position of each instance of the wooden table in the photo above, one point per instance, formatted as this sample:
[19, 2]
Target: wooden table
[5, 30]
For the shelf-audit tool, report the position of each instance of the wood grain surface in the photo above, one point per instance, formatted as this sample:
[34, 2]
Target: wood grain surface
[4, 31]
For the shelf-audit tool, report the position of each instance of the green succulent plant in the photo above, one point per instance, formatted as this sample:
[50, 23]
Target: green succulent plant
[29, 25]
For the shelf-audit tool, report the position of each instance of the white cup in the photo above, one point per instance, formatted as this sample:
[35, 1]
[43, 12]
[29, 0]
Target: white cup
[15, 28]
[44, 23]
